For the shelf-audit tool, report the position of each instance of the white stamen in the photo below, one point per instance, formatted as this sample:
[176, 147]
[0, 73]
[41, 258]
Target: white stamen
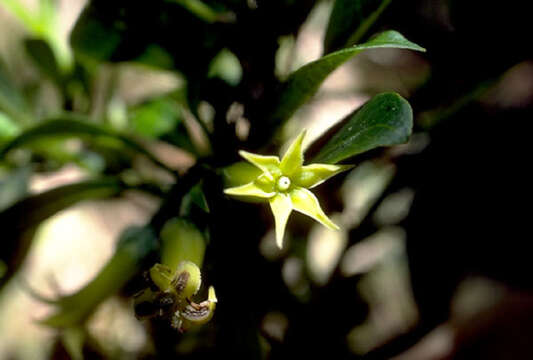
[284, 183]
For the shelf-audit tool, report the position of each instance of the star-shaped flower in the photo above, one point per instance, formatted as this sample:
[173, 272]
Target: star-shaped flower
[284, 184]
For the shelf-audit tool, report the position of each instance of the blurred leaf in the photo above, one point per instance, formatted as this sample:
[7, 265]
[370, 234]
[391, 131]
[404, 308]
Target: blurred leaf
[8, 128]
[156, 56]
[155, 118]
[73, 340]
[72, 126]
[21, 219]
[386, 119]
[43, 24]
[14, 186]
[135, 244]
[199, 9]
[227, 67]
[304, 82]
[94, 39]
[129, 30]
[43, 57]
[350, 21]
[11, 101]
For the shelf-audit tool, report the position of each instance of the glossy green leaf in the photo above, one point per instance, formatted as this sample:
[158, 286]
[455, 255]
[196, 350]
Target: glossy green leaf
[133, 247]
[73, 126]
[304, 82]
[350, 20]
[22, 219]
[385, 120]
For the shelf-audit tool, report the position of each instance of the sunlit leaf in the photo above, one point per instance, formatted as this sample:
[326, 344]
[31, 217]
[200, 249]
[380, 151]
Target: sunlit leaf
[303, 83]
[385, 120]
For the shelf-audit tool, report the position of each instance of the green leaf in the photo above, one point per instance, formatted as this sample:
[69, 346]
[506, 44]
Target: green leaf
[350, 20]
[197, 197]
[385, 120]
[94, 38]
[22, 219]
[43, 57]
[8, 128]
[11, 100]
[72, 126]
[135, 244]
[304, 82]
[155, 118]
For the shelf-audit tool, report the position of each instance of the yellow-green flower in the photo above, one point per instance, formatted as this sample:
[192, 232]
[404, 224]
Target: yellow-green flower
[284, 184]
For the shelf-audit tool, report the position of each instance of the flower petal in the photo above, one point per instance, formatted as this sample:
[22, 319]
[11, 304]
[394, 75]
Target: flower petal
[312, 175]
[281, 206]
[268, 164]
[305, 201]
[250, 189]
[293, 159]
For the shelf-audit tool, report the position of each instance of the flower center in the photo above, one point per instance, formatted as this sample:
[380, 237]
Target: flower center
[284, 183]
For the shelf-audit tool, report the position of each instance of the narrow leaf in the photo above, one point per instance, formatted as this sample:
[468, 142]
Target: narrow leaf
[73, 126]
[303, 83]
[350, 20]
[385, 120]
